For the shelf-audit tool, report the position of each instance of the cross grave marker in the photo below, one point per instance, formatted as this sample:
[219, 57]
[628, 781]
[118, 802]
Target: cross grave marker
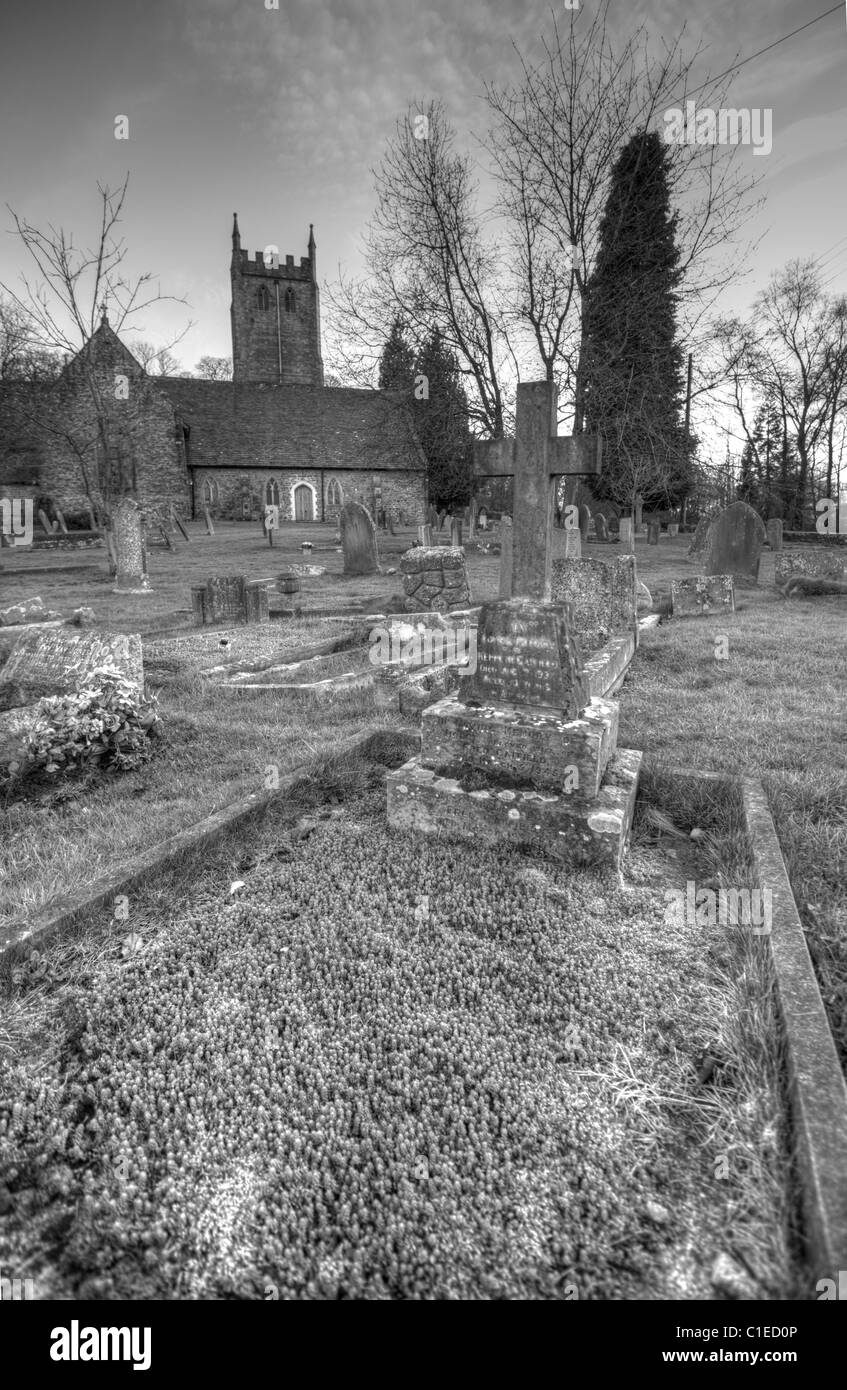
[535, 459]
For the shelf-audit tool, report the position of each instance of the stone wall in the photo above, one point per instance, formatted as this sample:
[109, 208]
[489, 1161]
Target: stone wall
[404, 493]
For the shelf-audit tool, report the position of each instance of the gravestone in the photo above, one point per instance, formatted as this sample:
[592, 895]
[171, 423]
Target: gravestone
[47, 526]
[456, 531]
[673, 528]
[601, 527]
[483, 519]
[425, 535]
[229, 599]
[626, 534]
[57, 661]
[506, 550]
[584, 522]
[176, 521]
[734, 544]
[434, 579]
[431, 516]
[775, 533]
[653, 533]
[814, 562]
[210, 530]
[526, 655]
[358, 538]
[128, 533]
[701, 533]
[701, 595]
[601, 595]
[521, 754]
[60, 519]
[472, 519]
[535, 459]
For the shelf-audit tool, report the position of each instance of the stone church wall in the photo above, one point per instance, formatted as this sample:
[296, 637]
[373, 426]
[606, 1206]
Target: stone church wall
[242, 493]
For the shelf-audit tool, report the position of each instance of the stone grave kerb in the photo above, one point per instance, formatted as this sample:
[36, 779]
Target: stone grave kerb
[535, 459]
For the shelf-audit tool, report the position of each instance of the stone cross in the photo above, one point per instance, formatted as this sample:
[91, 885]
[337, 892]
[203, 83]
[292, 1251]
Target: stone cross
[536, 458]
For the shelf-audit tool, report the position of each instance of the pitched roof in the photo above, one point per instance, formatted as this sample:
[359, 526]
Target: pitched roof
[248, 425]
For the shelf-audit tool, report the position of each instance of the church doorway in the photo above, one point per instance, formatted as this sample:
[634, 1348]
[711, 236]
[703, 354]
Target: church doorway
[304, 504]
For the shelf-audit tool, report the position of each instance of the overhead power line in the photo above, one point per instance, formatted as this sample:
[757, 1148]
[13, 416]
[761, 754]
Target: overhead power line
[743, 61]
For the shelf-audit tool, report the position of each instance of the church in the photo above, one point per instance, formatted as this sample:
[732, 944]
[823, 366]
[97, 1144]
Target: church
[273, 434]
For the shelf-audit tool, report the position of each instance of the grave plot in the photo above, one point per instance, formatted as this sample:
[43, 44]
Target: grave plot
[377, 1067]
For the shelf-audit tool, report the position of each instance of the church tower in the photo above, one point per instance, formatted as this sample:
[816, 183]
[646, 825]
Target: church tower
[276, 324]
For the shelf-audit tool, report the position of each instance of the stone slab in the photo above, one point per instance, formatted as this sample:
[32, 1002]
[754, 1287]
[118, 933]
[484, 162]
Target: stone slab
[702, 595]
[513, 748]
[816, 1085]
[567, 830]
[229, 599]
[605, 669]
[59, 660]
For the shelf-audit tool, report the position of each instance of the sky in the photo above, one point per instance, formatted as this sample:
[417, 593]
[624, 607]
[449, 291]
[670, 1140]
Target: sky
[281, 115]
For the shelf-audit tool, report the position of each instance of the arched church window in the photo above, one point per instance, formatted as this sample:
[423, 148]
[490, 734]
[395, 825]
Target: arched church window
[334, 495]
[210, 491]
[272, 493]
[289, 300]
[263, 298]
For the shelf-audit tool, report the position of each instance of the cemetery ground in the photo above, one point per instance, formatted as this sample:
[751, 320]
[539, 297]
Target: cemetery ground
[557, 1081]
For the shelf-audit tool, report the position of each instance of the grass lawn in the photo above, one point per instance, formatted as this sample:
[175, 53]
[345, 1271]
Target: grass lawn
[774, 708]
[339, 1062]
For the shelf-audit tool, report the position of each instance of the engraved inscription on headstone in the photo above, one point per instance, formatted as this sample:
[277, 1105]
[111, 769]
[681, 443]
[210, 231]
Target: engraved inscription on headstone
[527, 656]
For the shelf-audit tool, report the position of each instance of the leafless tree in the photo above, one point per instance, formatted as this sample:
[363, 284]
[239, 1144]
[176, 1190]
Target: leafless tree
[431, 264]
[555, 139]
[214, 368]
[62, 303]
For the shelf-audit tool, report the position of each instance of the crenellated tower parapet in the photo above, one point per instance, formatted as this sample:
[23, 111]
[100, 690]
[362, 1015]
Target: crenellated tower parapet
[276, 334]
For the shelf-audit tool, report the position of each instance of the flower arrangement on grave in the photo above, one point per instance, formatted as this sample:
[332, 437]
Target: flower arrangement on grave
[107, 724]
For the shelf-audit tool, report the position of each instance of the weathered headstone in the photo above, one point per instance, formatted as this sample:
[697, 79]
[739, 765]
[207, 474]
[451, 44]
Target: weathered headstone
[775, 533]
[207, 517]
[358, 538]
[814, 562]
[56, 661]
[128, 533]
[701, 595]
[535, 459]
[734, 544]
[425, 535]
[472, 519]
[483, 519]
[601, 595]
[602, 527]
[701, 533]
[584, 522]
[456, 531]
[653, 533]
[48, 527]
[177, 522]
[60, 519]
[626, 534]
[431, 516]
[229, 599]
[673, 528]
[527, 656]
[434, 579]
[506, 531]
